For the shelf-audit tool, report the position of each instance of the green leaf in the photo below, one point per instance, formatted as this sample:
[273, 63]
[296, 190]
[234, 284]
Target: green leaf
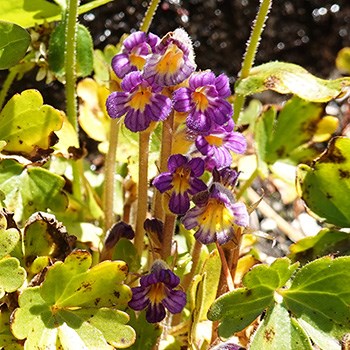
[287, 78]
[126, 251]
[28, 14]
[326, 242]
[12, 275]
[7, 340]
[8, 237]
[14, 42]
[325, 185]
[286, 135]
[28, 126]
[84, 56]
[30, 189]
[76, 307]
[320, 295]
[239, 308]
[279, 331]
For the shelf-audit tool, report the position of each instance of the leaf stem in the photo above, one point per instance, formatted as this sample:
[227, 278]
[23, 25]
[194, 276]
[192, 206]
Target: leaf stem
[6, 86]
[142, 194]
[250, 53]
[247, 184]
[151, 11]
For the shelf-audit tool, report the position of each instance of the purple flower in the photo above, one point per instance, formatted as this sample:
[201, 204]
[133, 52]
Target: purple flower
[140, 101]
[173, 60]
[182, 181]
[157, 293]
[218, 145]
[215, 214]
[204, 101]
[227, 177]
[136, 48]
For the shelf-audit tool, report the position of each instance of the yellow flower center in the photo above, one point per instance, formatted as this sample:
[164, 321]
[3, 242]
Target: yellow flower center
[216, 217]
[157, 293]
[141, 98]
[137, 60]
[200, 99]
[181, 180]
[171, 61]
[214, 140]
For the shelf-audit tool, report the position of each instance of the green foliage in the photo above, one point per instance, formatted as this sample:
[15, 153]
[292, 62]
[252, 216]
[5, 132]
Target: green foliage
[287, 78]
[279, 331]
[28, 14]
[8, 237]
[325, 312]
[326, 242]
[28, 125]
[286, 135]
[325, 185]
[76, 306]
[31, 189]
[84, 55]
[14, 42]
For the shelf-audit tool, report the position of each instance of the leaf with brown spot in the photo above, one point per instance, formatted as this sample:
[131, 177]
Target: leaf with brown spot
[325, 185]
[28, 125]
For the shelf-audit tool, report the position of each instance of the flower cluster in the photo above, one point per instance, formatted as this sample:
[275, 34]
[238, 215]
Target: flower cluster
[159, 77]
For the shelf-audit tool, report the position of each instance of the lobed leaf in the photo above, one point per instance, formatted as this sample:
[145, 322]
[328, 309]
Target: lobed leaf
[9, 237]
[320, 295]
[14, 42]
[279, 331]
[27, 125]
[289, 78]
[12, 275]
[239, 308]
[325, 185]
[75, 307]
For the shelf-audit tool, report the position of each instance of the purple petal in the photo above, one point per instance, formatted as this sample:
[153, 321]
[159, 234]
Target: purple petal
[131, 81]
[159, 108]
[197, 166]
[179, 203]
[201, 79]
[223, 86]
[175, 161]
[115, 104]
[134, 39]
[220, 111]
[205, 237]
[139, 298]
[121, 65]
[168, 278]
[155, 313]
[197, 185]
[241, 214]
[147, 280]
[236, 142]
[203, 146]
[182, 100]
[162, 182]
[135, 120]
[175, 301]
[190, 220]
[224, 236]
[198, 122]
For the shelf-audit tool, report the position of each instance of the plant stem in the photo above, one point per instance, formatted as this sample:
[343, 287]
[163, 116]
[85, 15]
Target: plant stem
[142, 195]
[168, 232]
[252, 47]
[6, 86]
[196, 253]
[247, 184]
[235, 252]
[225, 268]
[167, 138]
[108, 190]
[71, 100]
[147, 20]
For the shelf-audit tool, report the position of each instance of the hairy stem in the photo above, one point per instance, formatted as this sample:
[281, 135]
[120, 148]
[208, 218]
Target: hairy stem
[168, 232]
[142, 195]
[71, 98]
[252, 47]
[108, 190]
[151, 11]
[167, 138]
